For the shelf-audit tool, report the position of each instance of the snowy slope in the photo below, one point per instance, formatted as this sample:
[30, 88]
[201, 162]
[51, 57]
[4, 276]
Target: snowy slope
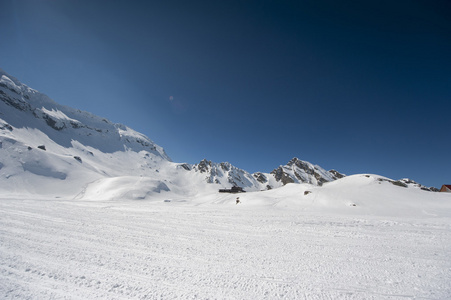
[277, 244]
[21, 107]
[50, 149]
[47, 149]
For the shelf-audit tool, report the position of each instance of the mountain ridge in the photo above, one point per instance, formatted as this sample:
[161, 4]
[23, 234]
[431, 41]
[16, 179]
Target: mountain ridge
[43, 141]
[45, 114]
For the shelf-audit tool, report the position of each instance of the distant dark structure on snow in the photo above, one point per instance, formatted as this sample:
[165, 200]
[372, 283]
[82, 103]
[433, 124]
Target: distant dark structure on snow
[234, 189]
[446, 188]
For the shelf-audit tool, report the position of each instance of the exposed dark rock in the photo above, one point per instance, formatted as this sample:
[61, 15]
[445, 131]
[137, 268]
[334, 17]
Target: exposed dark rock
[8, 88]
[225, 166]
[6, 126]
[204, 166]
[14, 102]
[52, 123]
[399, 183]
[408, 181]
[260, 177]
[78, 158]
[75, 125]
[319, 178]
[280, 175]
[42, 147]
[185, 166]
[336, 174]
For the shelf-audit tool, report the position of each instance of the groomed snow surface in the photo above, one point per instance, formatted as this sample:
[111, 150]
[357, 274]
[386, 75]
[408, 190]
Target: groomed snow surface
[354, 238]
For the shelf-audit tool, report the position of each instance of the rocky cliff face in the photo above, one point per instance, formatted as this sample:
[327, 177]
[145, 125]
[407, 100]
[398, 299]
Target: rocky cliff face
[226, 175]
[299, 171]
[295, 171]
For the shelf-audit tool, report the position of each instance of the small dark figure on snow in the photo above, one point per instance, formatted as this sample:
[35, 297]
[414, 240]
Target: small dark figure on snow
[238, 200]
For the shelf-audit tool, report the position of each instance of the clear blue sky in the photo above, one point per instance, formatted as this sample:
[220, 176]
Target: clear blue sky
[357, 86]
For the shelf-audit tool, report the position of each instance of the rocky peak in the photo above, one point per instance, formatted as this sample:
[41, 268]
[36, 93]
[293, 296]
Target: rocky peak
[204, 165]
[300, 171]
[226, 175]
[281, 175]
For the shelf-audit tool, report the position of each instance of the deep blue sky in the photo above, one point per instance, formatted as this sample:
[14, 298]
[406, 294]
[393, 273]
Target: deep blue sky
[358, 86]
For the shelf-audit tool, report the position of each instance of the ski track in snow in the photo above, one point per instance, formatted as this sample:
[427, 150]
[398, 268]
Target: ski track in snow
[59, 249]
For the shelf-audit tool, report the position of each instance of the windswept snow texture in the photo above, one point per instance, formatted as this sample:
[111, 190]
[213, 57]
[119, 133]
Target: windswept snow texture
[359, 237]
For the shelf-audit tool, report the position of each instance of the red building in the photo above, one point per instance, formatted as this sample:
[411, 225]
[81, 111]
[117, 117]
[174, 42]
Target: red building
[446, 188]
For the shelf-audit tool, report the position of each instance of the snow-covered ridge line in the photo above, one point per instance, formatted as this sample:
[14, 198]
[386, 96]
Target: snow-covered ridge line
[295, 171]
[47, 148]
[25, 107]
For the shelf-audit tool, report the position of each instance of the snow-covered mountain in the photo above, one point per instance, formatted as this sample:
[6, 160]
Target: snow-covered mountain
[50, 149]
[299, 171]
[226, 175]
[53, 150]
[295, 171]
[23, 107]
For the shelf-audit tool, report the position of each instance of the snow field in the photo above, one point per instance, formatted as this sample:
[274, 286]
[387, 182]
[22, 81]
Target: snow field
[58, 249]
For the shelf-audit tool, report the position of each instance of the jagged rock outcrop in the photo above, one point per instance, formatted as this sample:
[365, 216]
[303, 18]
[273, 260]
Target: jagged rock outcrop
[260, 177]
[336, 174]
[299, 171]
[409, 182]
[295, 171]
[227, 175]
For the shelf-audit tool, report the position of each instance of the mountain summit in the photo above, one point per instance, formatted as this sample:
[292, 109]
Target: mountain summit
[299, 171]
